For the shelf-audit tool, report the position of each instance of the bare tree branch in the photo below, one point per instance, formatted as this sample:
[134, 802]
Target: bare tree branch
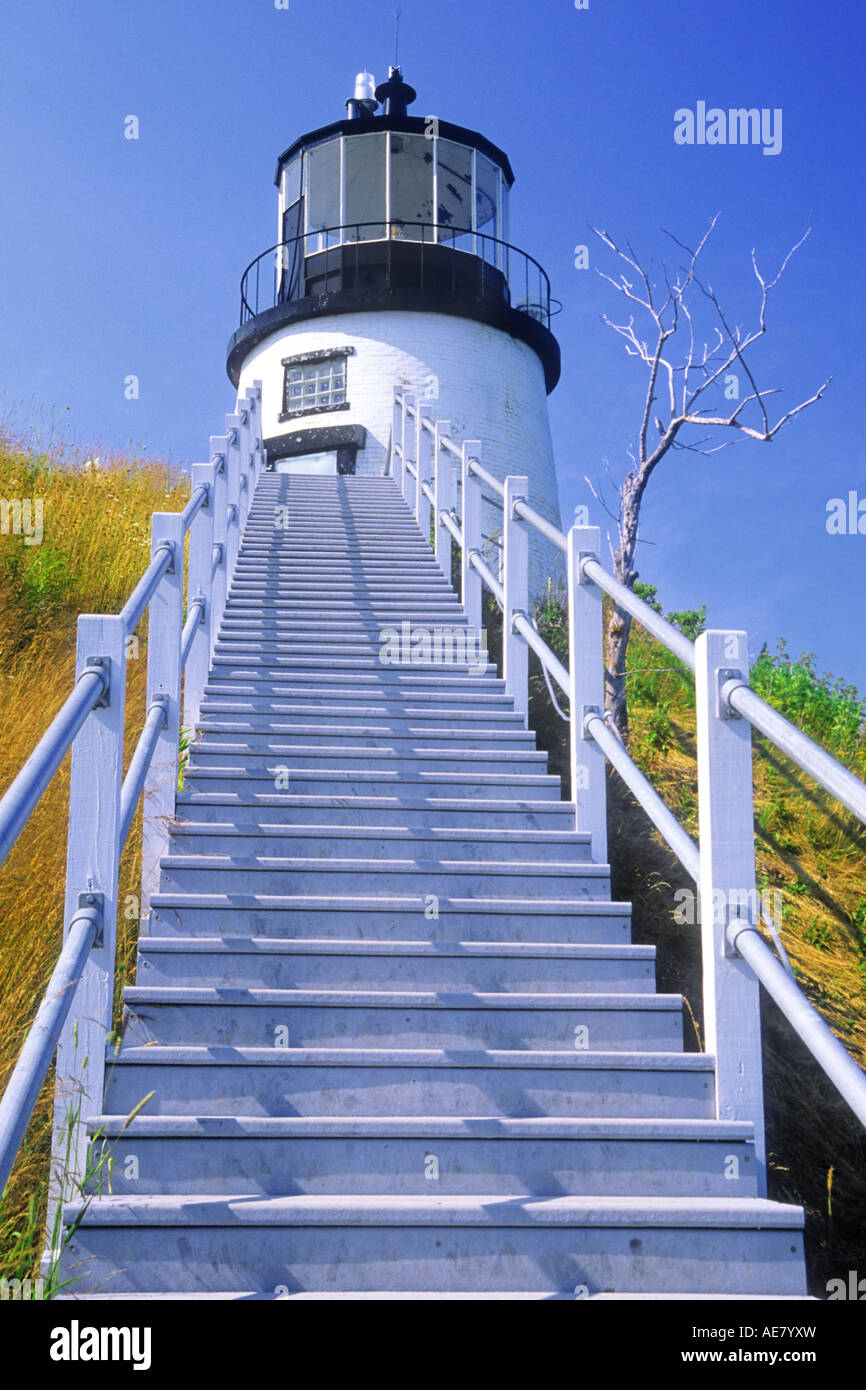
[691, 396]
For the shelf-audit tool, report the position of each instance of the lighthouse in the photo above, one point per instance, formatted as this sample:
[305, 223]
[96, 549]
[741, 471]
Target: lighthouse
[394, 268]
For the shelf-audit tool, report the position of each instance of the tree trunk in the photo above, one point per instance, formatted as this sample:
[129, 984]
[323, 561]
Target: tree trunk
[616, 638]
[618, 627]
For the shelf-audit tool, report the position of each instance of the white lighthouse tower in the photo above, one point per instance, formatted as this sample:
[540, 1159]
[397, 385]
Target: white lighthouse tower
[394, 268]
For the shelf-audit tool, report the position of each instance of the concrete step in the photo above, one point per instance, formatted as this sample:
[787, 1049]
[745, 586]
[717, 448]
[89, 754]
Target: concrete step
[229, 752]
[371, 812]
[344, 782]
[320, 628]
[380, 717]
[493, 967]
[384, 919]
[364, 514]
[271, 733]
[312, 517]
[414, 568]
[412, 557]
[236, 1017]
[546, 1244]
[394, 580]
[392, 1157]
[411, 561]
[395, 590]
[322, 517]
[343, 613]
[341, 631]
[384, 842]
[349, 1082]
[333, 675]
[336, 724]
[382, 878]
[302, 527]
[345, 617]
[345, 550]
[412, 1296]
[388, 610]
[287, 693]
[452, 654]
[448, 643]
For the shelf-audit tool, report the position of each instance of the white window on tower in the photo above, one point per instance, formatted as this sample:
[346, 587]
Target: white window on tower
[314, 384]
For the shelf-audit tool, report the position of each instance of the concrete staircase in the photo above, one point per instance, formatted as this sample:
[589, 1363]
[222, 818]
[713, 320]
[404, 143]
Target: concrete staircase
[399, 1040]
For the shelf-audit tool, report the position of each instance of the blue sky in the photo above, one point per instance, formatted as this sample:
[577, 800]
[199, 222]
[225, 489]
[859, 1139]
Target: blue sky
[121, 257]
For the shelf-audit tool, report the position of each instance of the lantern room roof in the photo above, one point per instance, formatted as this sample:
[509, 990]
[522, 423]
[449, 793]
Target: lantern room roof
[406, 125]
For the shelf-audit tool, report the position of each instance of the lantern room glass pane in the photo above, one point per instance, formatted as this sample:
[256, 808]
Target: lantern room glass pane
[365, 187]
[486, 195]
[487, 182]
[289, 254]
[323, 186]
[292, 182]
[455, 188]
[411, 185]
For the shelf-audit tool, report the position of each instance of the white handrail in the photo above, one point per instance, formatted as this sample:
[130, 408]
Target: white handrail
[725, 773]
[75, 1013]
[661, 816]
[808, 755]
[486, 477]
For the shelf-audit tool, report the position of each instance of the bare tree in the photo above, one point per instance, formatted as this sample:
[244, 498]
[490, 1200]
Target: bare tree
[688, 387]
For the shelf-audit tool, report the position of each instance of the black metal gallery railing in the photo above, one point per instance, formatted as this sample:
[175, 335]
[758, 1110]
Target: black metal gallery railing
[397, 256]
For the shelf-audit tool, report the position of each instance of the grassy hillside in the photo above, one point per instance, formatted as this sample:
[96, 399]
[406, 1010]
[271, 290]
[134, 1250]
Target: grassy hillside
[96, 543]
[810, 861]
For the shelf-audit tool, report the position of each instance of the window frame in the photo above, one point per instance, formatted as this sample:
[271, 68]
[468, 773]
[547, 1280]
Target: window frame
[318, 359]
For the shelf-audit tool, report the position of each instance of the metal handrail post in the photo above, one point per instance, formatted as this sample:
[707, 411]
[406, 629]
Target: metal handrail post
[233, 493]
[732, 1022]
[515, 586]
[424, 467]
[243, 418]
[165, 625]
[254, 400]
[407, 434]
[220, 527]
[443, 492]
[586, 694]
[200, 585]
[397, 439]
[237, 462]
[92, 864]
[470, 586]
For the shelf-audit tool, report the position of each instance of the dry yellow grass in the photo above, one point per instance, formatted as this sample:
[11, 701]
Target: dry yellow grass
[96, 544]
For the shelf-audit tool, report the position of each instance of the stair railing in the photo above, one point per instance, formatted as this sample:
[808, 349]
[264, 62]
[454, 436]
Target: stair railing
[74, 1016]
[735, 956]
